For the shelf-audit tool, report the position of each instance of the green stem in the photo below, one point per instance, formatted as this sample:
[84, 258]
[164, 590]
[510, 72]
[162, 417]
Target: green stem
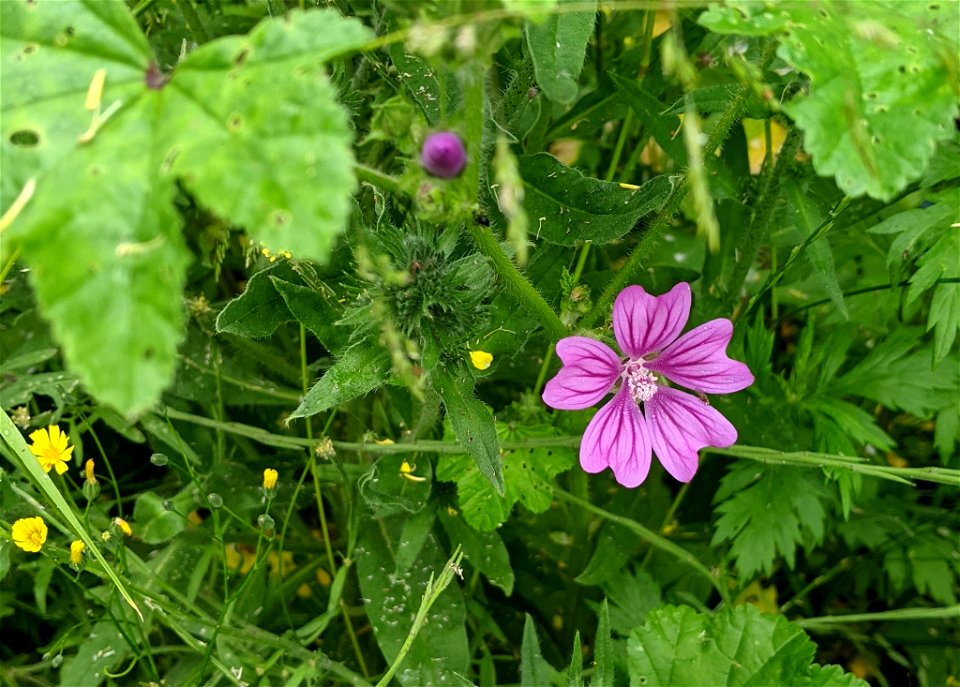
[518, 285]
[667, 519]
[434, 589]
[8, 265]
[945, 613]
[618, 150]
[651, 538]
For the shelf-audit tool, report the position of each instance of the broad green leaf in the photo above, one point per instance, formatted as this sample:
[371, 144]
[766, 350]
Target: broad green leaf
[316, 311]
[767, 512]
[103, 651]
[564, 206]
[358, 371]
[272, 151]
[678, 647]
[393, 596]
[260, 309]
[417, 528]
[527, 476]
[105, 170]
[387, 492]
[485, 551]
[534, 670]
[473, 425]
[876, 70]
[557, 46]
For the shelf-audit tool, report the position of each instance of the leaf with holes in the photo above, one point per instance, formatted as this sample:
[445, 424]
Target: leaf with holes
[876, 70]
[105, 136]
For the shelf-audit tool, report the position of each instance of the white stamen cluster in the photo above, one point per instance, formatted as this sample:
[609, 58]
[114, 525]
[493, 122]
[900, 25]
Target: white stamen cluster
[641, 383]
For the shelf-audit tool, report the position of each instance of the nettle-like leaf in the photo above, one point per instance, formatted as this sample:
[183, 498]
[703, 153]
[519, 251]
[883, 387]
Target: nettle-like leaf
[768, 512]
[876, 70]
[104, 136]
[567, 207]
[527, 476]
[677, 646]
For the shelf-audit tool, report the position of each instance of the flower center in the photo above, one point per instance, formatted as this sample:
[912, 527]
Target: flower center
[641, 383]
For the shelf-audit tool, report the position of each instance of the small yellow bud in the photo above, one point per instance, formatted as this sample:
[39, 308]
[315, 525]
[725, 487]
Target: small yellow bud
[124, 526]
[88, 469]
[270, 479]
[76, 551]
[481, 359]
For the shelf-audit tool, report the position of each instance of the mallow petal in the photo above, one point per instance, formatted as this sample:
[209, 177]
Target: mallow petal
[680, 425]
[617, 437]
[644, 324]
[698, 360]
[590, 369]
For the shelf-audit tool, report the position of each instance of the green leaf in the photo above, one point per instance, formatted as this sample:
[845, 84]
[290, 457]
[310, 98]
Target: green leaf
[316, 311]
[527, 476]
[557, 46]
[417, 528]
[900, 377]
[575, 669]
[101, 652]
[876, 70]
[944, 317]
[768, 512]
[566, 207]
[155, 522]
[260, 309]
[271, 152]
[358, 371]
[662, 126]
[603, 650]
[534, 670]
[485, 551]
[676, 646]
[473, 425]
[440, 651]
[284, 171]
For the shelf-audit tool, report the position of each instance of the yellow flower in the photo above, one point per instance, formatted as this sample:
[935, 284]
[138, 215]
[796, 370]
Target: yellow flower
[30, 533]
[76, 551]
[270, 478]
[481, 359]
[124, 526]
[406, 471]
[51, 449]
[88, 469]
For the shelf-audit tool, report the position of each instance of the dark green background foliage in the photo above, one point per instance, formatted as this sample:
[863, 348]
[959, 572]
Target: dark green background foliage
[220, 254]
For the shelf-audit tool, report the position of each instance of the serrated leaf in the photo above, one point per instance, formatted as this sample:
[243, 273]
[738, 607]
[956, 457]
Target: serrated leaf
[392, 597]
[567, 207]
[527, 475]
[358, 371]
[260, 309]
[678, 647]
[105, 176]
[876, 70]
[474, 427]
[534, 670]
[768, 512]
[557, 46]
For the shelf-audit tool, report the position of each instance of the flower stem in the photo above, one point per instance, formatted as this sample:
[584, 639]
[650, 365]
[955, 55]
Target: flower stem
[944, 613]
[518, 285]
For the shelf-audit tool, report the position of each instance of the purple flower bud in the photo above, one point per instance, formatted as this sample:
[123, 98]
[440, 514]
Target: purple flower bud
[443, 155]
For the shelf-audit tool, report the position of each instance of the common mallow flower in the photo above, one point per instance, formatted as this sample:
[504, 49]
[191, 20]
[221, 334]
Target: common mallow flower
[646, 413]
[443, 155]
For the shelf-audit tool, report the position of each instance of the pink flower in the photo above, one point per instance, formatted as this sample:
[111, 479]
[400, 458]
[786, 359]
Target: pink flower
[645, 413]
